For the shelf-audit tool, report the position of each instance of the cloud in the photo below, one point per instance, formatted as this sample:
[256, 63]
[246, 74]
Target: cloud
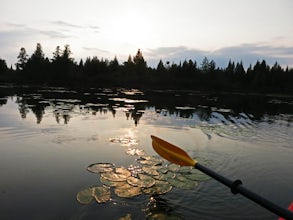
[54, 34]
[250, 53]
[66, 24]
[247, 53]
[97, 51]
[14, 25]
[93, 28]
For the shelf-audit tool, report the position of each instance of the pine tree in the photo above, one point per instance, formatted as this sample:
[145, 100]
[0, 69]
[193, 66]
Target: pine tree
[22, 59]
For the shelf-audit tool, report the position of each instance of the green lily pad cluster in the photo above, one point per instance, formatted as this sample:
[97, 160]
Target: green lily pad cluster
[151, 176]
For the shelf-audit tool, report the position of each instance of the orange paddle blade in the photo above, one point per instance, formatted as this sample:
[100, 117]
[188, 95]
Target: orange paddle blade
[171, 152]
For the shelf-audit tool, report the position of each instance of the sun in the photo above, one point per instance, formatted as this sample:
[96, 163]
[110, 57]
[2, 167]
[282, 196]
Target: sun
[132, 29]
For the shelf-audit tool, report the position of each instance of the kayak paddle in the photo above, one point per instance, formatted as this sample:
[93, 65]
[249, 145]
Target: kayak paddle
[178, 156]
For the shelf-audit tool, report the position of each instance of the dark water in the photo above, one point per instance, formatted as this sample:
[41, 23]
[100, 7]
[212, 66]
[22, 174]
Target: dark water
[50, 135]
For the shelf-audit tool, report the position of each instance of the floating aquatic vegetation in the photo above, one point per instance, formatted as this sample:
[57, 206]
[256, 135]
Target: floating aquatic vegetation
[120, 174]
[160, 187]
[143, 181]
[111, 183]
[163, 170]
[184, 169]
[151, 170]
[100, 167]
[173, 167]
[123, 171]
[135, 170]
[149, 160]
[151, 176]
[165, 176]
[182, 182]
[127, 191]
[101, 194]
[85, 196]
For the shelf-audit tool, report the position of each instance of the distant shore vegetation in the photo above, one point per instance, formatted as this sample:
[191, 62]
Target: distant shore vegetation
[63, 70]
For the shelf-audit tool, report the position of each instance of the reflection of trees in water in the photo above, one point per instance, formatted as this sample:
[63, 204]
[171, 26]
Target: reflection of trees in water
[26, 103]
[58, 115]
[136, 115]
[3, 101]
[39, 111]
[205, 107]
[22, 107]
[203, 113]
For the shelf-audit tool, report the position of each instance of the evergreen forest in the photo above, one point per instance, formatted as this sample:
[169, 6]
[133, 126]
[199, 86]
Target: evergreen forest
[63, 70]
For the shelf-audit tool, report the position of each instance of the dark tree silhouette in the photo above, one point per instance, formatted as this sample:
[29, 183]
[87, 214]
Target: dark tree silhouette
[239, 71]
[37, 64]
[22, 59]
[161, 68]
[57, 54]
[140, 64]
[3, 66]
[205, 65]
[114, 65]
[63, 70]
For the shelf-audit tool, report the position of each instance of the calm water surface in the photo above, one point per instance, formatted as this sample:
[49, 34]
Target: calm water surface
[48, 137]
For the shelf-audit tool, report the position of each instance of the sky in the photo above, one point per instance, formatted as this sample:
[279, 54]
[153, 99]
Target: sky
[171, 30]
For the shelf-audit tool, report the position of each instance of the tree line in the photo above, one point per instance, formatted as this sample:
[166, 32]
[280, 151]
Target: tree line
[62, 69]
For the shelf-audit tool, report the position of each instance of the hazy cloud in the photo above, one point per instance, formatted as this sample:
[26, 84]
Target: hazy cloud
[66, 24]
[94, 28]
[247, 53]
[54, 34]
[14, 25]
[97, 51]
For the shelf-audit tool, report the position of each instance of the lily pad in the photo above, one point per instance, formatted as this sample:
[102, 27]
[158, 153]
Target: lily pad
[173, 167]
[184, 169]
[120, 174]
[111, 183]
[151, 170]
[135, 169]
[101, 194]
[149, 160]
[85, 196]
[100, 167]
[166, 177]
[163, 170]
[123, 171]
[160, 187]
[127, 191]
[183, 183]
[144, 181]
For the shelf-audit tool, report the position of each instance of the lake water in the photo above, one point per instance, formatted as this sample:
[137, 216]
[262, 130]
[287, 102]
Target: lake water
[49, 136]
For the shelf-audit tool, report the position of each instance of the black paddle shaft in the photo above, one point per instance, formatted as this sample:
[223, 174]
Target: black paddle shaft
[236, 187]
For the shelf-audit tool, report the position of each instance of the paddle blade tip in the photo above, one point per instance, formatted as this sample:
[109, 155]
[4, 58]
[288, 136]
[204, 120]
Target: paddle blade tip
[171, 152]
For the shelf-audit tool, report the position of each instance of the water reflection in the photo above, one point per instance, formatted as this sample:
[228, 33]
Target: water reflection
[160, 208]
[95, 115]
[236, 109]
